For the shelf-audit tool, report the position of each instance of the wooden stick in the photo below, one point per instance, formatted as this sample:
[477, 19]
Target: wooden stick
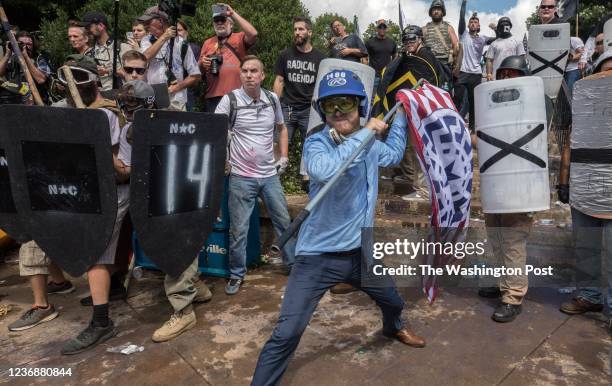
[24, 67]
[74, 91]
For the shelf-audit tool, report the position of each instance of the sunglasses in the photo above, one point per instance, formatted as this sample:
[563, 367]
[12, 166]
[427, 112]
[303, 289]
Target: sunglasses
[548, 6]
[344, 104]
[599, 43]
[81, 76]
[131, 70]
[130, 104]
[382, 26]
[219, 20]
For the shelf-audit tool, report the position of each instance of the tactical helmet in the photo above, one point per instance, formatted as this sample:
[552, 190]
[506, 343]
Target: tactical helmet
[437, 4]
[514, 62]
[411, 30]
[342, 82]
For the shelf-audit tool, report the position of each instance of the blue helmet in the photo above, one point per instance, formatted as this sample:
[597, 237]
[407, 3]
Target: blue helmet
[342, 82]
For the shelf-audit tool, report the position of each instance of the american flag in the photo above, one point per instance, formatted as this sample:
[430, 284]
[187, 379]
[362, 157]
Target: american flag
[443, 146]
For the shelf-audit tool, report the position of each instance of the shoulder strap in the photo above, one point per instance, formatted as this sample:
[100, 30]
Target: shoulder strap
[184, 48]
[316, 129]
[231, 48]
[233, 107]
[440, 36]
[271, 99]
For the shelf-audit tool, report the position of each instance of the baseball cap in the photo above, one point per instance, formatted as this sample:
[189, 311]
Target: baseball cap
[153, 13]
[82, 61]
[381, 23]
[94, 17]
[139, 89]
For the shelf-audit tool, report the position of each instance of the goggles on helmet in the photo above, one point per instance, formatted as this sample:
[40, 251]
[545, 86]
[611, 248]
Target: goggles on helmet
[344, 104]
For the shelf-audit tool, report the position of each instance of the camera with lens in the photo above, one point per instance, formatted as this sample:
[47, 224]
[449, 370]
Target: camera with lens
[215, 62]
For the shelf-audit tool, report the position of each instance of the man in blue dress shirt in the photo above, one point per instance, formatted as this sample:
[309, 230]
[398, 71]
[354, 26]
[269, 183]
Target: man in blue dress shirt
[328, 250]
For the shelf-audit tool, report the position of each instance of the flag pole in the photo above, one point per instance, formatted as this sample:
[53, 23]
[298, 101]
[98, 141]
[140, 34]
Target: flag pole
[577, 13]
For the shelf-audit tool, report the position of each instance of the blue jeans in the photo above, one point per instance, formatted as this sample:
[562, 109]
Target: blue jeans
[310, 278]
[243, 192]
[590, 234]
[296, 119]
[571, 77]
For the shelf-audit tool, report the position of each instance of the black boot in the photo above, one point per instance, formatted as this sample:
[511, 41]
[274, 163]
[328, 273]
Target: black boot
[506, 312]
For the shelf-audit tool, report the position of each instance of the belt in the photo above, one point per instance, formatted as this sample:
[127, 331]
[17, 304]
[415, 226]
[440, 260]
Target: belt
[344, 253]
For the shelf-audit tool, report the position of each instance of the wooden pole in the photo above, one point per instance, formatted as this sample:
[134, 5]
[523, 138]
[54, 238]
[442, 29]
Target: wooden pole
[24, 67]
[72, 88]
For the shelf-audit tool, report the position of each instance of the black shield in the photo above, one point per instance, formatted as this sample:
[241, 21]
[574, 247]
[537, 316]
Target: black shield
[63, 182]
[9, 220]
[178, 162]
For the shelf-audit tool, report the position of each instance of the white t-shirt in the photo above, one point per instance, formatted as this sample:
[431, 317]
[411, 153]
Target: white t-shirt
[575, 45]
[115, 129]
[473, 47]
[251, 145]
[156, 73]
[125, 149]
[500, 49]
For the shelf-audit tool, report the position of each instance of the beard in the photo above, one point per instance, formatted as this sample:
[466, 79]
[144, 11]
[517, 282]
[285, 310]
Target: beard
[300, 41]
[436, 18]
[223, 33]
[88, 92]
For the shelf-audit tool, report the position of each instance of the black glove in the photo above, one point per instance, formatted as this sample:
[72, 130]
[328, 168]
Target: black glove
[563, 193]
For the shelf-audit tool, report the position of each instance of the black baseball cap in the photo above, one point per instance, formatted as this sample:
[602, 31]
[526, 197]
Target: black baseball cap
[93, 17]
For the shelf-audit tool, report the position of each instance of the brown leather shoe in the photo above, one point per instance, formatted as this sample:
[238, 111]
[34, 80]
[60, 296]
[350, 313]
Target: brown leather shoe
[407, 337]
[580, 306]
[342, 288]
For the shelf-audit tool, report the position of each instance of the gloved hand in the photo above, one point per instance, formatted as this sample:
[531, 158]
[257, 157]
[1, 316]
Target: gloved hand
[563, 193]
[282, 165]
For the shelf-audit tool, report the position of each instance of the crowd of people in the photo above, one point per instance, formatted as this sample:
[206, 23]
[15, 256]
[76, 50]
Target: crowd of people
[327, 254]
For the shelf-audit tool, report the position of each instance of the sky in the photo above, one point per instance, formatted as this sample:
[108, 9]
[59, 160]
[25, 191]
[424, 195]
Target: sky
[416, 11]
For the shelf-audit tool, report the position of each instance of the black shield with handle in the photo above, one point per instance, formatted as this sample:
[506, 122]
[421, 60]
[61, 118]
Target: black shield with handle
[63, 181]
[176, 186]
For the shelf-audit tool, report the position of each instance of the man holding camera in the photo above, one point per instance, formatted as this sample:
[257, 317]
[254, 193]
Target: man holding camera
[156, 48]
[36, 63]
[221, 54]
[104, 47]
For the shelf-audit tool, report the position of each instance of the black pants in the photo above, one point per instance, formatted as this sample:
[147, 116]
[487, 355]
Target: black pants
[467, 81]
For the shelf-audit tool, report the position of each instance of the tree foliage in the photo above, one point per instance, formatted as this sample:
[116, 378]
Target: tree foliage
[321, 30]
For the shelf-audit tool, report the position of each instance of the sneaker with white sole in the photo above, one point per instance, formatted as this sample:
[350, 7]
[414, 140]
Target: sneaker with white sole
[178, 323]
[233, 286]
[33, 317]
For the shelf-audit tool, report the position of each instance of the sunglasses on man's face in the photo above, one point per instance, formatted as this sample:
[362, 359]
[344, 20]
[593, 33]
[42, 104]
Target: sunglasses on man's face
[548, 6]
[344, 104]
[131, 70]
[599, 43]
[219, 20]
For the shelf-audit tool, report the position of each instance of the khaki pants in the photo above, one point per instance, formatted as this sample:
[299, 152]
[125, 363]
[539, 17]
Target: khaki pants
[32, 260]
[182, 290]
[411, 170]
[508, 235]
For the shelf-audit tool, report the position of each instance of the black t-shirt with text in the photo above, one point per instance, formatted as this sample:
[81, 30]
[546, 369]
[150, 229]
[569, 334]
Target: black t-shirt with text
[299, 71]
[380, 51]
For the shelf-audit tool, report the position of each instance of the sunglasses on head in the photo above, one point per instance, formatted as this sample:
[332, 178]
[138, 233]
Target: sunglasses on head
[131, 70]
[81, 76]
[548, 6]
[344, 104]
